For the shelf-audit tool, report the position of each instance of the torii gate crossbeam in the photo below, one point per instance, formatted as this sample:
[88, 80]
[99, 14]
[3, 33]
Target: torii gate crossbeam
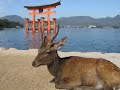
[38, 10]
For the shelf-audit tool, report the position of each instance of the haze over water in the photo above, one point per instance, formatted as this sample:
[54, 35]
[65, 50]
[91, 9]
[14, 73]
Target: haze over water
[82, 40]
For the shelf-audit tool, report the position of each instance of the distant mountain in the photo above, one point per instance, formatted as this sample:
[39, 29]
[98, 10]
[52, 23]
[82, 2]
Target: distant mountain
[14, 18]
[76, 21]
[85, 21]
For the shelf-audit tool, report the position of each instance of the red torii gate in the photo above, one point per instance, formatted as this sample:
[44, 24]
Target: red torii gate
[42, 9]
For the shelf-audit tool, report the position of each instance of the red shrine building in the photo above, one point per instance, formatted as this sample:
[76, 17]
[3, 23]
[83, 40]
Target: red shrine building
[43, 23]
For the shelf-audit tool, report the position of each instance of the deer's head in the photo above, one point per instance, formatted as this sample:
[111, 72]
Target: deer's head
[48, 51]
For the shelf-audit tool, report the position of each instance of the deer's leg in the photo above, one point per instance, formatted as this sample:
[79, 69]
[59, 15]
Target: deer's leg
[70, 89]
[53, 80]
[84, 88]
[76, 89]
[116, 88]
[108, 88]
[101, 89]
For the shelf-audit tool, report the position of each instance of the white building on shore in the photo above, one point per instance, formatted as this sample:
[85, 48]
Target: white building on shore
[92, 26]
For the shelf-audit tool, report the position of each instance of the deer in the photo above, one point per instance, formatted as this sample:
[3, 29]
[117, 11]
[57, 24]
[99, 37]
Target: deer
[76, 72]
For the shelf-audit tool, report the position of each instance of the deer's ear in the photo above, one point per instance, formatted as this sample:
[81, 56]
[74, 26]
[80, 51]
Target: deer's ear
[59, 44]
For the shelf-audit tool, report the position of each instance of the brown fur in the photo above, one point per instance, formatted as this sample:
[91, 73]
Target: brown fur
[90, 72]
[77, 72]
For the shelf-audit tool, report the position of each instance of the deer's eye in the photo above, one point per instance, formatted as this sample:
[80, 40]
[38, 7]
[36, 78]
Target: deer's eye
[66, 80]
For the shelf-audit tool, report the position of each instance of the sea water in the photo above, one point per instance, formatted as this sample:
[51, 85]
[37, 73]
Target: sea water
[78, 39]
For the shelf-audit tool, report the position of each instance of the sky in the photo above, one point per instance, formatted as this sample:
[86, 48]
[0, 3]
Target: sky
[68, 8]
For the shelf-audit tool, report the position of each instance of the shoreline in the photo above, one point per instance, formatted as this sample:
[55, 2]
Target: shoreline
[33, 53]
[114, 57]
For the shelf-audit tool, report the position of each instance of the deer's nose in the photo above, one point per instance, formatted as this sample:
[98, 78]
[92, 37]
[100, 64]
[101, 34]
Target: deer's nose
[33, 64]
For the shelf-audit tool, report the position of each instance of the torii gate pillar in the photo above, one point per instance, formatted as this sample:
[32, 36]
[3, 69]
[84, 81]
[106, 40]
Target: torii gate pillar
[38, 10]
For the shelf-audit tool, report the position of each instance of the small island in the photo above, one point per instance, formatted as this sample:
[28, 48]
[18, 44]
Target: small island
[4, 23]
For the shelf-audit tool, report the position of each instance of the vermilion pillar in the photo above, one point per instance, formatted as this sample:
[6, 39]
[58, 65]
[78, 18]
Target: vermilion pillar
[48, 23]
[33, 40]
[33, 20]
[39, 24]
[42, 22]
[54, 23]
[27, 24]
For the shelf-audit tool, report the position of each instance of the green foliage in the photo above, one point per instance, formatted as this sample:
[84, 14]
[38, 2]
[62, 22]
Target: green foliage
[86, 21]
[9, 24]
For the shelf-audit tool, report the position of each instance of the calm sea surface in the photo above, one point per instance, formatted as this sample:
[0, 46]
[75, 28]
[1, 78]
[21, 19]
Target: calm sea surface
[83, 40]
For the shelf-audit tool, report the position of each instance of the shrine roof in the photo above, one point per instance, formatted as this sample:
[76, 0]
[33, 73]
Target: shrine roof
[41, 7]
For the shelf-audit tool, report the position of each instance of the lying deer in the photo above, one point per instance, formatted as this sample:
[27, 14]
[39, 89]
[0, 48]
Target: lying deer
[77, 72]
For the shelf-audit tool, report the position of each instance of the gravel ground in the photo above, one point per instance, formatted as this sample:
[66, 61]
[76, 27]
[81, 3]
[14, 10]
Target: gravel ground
[17, 73]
